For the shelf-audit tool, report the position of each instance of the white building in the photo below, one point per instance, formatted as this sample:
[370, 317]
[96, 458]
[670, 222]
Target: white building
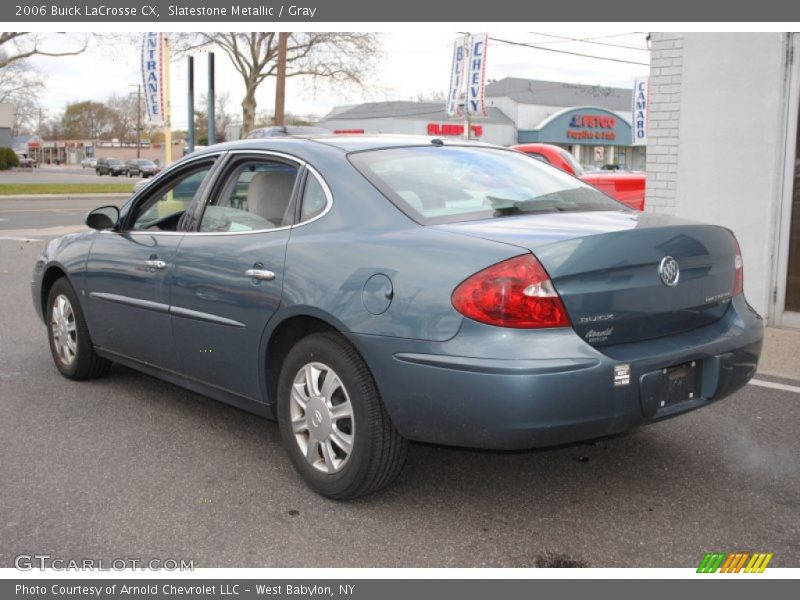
[722, 148]
[592, 122]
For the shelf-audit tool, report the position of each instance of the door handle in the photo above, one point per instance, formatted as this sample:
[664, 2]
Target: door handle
[260, 274]
[156, 264]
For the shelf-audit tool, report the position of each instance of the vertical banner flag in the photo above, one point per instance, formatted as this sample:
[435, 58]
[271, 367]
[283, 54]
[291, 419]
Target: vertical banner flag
[153, 76]
[639, 120]
[476, 80]
[457, 76]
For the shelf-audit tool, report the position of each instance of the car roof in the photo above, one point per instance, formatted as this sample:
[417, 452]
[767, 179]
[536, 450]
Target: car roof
[346, 143]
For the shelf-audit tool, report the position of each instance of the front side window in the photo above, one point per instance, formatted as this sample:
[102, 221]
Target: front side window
[163, 209]
[447, 184]
[256, 196]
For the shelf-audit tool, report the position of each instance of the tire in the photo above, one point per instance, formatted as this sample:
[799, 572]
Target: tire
[377, 451]
[76, 359]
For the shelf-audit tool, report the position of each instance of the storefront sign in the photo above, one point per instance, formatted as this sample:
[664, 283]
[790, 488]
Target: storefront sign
[639, 116]
[153, 76]
[587, 126]
[453, 129]
[590, 125]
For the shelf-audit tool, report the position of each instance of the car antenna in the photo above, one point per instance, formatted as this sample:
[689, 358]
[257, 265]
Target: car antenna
[437, 142]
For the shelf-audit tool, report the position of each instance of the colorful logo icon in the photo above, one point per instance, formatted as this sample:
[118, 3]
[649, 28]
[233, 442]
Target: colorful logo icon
[736, 562]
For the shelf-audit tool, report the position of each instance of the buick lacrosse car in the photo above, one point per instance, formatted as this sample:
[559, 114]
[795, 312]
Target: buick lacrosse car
[367, 291]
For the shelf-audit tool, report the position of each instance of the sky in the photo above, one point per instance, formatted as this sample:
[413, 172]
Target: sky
[410, 65]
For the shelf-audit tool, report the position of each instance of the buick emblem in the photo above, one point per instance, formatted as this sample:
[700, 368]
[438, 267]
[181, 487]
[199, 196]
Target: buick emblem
[669, 271]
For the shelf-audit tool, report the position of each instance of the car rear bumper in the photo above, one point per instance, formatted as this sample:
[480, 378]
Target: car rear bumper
[507, 389]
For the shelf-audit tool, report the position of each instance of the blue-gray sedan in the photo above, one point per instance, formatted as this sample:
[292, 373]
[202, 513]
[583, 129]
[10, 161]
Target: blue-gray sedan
[366, 291]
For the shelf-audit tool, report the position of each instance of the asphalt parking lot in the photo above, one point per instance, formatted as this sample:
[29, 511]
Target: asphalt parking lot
[128, 466]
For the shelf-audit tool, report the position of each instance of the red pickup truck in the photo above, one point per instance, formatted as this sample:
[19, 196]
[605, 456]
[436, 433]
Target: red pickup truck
[625, 186]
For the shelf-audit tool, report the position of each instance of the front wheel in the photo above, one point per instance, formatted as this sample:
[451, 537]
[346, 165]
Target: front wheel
[70, 344]
[333, 422]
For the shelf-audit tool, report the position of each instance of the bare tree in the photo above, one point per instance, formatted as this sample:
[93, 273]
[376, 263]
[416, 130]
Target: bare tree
[339, 58]
[123, 107]
[20, 86]
[19, 45]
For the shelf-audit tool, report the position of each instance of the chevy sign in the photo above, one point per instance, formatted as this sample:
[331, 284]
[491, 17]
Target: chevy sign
[469, 63]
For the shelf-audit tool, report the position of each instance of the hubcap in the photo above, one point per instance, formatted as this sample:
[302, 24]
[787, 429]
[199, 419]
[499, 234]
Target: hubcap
[322, 417]
[63, 330]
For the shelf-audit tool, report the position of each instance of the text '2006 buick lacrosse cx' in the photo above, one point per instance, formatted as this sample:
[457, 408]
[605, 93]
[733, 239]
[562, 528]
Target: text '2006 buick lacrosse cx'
[367, 291]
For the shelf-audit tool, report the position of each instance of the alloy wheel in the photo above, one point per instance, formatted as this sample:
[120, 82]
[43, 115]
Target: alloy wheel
[322, 417]
[64, 329]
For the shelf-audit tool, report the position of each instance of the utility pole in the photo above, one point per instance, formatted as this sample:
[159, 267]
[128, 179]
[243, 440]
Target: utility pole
[467, 119]
[190, 126]
[212, 125]
[280, 84]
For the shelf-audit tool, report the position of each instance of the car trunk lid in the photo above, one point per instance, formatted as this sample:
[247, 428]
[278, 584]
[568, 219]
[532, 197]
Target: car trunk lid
[607, 266]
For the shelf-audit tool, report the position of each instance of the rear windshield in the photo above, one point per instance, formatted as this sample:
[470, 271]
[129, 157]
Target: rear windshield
[448, 184]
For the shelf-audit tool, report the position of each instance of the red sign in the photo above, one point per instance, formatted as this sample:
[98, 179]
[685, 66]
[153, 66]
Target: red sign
[593, 121]
[454, 129]
[348, 131]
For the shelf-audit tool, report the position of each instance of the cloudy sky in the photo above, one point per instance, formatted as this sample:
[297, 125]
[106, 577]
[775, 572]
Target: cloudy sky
[411, 65]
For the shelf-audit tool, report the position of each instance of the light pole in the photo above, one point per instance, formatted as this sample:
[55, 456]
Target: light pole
[138, 118]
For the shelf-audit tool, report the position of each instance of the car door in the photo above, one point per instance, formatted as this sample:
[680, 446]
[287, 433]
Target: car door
[230, 269]
[128, 271]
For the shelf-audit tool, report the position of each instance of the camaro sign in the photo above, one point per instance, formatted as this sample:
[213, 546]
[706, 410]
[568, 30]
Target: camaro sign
[639, 121]
[153, 76]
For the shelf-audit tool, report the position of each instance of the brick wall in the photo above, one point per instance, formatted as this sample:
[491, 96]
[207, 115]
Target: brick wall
[666, 66]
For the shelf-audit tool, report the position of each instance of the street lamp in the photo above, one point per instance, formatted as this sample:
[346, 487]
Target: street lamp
[138, 87]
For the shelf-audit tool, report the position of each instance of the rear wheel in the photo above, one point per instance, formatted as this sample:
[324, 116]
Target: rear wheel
[333, 422]
[70, 344]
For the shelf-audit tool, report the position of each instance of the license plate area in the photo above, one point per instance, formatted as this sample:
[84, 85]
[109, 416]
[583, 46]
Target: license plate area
[666, 388]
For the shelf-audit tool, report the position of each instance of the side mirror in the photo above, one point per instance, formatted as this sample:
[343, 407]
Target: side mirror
[105, 217]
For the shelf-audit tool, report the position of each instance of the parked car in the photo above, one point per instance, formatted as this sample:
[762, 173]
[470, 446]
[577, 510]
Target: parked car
[141, 167]
[627, 187]
[26, 161]
[109, 166]
[89, 163]
[366, 291]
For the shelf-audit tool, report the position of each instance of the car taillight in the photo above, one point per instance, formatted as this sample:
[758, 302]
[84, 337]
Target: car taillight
[514, 293]
[738, 278]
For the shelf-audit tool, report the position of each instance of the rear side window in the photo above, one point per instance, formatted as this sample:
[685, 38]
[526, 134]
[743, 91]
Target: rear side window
[448, 184]
[314, 199]
[256, 196]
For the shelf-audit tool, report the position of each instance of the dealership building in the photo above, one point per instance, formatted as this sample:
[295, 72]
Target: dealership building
[592, 122]
[723, 136]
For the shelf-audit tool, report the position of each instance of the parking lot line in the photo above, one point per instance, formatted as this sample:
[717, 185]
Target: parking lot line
[776, 386]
